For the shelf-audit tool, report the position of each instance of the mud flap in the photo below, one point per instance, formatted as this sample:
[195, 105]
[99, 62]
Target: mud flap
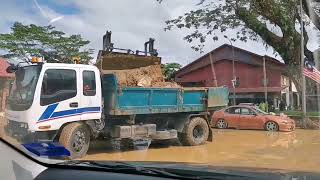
[210, 137]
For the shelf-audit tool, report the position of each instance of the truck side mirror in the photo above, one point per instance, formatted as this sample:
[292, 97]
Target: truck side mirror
[11, 69]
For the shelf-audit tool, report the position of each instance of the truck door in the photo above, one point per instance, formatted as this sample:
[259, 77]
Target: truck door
[59, 96]
[90, 95]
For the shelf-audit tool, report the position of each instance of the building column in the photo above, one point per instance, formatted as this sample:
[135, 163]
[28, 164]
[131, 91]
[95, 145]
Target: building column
[291, 101]
[288, 101]
[275, 102]
[298, 101]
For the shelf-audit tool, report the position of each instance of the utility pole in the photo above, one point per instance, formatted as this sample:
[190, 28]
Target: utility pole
[265, 84]
[318, 85]
[233, 72]
[304, 106]
[215, 82]
[234, 76]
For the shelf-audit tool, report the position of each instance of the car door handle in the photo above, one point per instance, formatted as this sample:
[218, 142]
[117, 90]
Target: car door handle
[74, 104]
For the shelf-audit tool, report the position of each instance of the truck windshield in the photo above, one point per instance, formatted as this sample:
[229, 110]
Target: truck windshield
[22, 92]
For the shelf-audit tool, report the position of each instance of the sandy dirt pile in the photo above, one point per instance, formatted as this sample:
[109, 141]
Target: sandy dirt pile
[166, 85]
[149, 76]
[135, 70]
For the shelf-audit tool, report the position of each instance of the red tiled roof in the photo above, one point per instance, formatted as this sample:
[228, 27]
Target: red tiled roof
[3, 67]
[205, 62]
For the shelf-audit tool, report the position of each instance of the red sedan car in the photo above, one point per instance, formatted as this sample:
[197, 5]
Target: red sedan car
[250, 117]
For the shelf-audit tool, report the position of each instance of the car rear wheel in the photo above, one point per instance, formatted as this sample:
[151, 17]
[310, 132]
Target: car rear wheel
[221, 124]
[272, 126]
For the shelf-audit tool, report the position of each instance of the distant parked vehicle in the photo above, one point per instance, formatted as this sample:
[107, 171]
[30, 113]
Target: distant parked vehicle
[250, 117]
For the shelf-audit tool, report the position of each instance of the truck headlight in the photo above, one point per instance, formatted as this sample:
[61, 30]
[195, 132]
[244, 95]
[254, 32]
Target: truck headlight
[24, 125]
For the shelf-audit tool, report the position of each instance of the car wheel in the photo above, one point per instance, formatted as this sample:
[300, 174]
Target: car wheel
[222, 124]
[272, 126]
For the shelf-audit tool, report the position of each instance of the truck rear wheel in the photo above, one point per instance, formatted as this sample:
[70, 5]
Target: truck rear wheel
[196, 132]
[76, 138]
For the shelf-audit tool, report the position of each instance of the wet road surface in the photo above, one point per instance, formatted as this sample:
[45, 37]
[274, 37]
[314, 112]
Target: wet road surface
[299, 150]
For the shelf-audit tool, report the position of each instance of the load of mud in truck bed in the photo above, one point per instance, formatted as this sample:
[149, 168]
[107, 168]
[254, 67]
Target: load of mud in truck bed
[135, 74]
[131, 68]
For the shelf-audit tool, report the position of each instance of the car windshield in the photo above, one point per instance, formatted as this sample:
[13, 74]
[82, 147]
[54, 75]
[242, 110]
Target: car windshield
[259, 111]
[220, 83]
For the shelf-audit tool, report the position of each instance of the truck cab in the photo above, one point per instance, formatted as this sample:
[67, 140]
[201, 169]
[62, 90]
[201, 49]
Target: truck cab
[47, 96]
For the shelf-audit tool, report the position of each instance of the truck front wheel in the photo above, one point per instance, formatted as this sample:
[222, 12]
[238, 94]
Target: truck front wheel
[196, 132]
[76, 138]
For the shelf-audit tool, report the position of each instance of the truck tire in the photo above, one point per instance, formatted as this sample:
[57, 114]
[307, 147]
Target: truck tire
[196, 132]
[76, 138]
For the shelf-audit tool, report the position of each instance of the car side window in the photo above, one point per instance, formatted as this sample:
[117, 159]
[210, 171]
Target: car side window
[58, 85]
[89, 83]
[233, 110]
[246, 111]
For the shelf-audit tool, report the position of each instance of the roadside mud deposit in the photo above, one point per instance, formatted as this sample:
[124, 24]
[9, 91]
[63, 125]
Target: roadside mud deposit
[294, 151]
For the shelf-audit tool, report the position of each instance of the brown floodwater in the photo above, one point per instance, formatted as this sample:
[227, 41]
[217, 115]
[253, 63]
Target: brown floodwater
[299, 150]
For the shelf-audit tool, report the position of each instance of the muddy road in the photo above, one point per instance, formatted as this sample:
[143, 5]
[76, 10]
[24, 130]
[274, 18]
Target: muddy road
[299, 150]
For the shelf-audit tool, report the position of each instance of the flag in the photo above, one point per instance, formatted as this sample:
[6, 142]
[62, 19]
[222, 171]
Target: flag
[310, 71]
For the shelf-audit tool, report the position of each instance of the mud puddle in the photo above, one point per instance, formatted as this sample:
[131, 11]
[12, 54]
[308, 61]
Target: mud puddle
[299, 150]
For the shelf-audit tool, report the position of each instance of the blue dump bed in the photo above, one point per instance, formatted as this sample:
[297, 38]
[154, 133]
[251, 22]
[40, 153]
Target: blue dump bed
[139, 100]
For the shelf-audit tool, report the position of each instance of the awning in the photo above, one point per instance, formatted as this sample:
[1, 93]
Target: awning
[258, 90]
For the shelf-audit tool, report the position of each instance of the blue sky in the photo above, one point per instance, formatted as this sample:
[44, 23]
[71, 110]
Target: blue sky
[132, 23]
[66, 8]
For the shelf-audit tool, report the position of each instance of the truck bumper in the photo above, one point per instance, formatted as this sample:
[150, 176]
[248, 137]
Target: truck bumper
[19, 131]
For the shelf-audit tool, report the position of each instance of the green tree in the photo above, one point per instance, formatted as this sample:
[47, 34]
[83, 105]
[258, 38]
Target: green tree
[170, 69]
[249, 18]
[44, 41]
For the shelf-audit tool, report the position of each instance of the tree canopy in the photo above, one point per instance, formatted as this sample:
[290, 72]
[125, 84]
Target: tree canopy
[44, 41]
[249, 18]
[170, 69]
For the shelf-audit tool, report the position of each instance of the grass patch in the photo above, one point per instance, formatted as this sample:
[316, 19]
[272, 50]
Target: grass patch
[299, 113]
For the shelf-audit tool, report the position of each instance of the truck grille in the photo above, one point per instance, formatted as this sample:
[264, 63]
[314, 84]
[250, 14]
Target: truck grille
[17, 128]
